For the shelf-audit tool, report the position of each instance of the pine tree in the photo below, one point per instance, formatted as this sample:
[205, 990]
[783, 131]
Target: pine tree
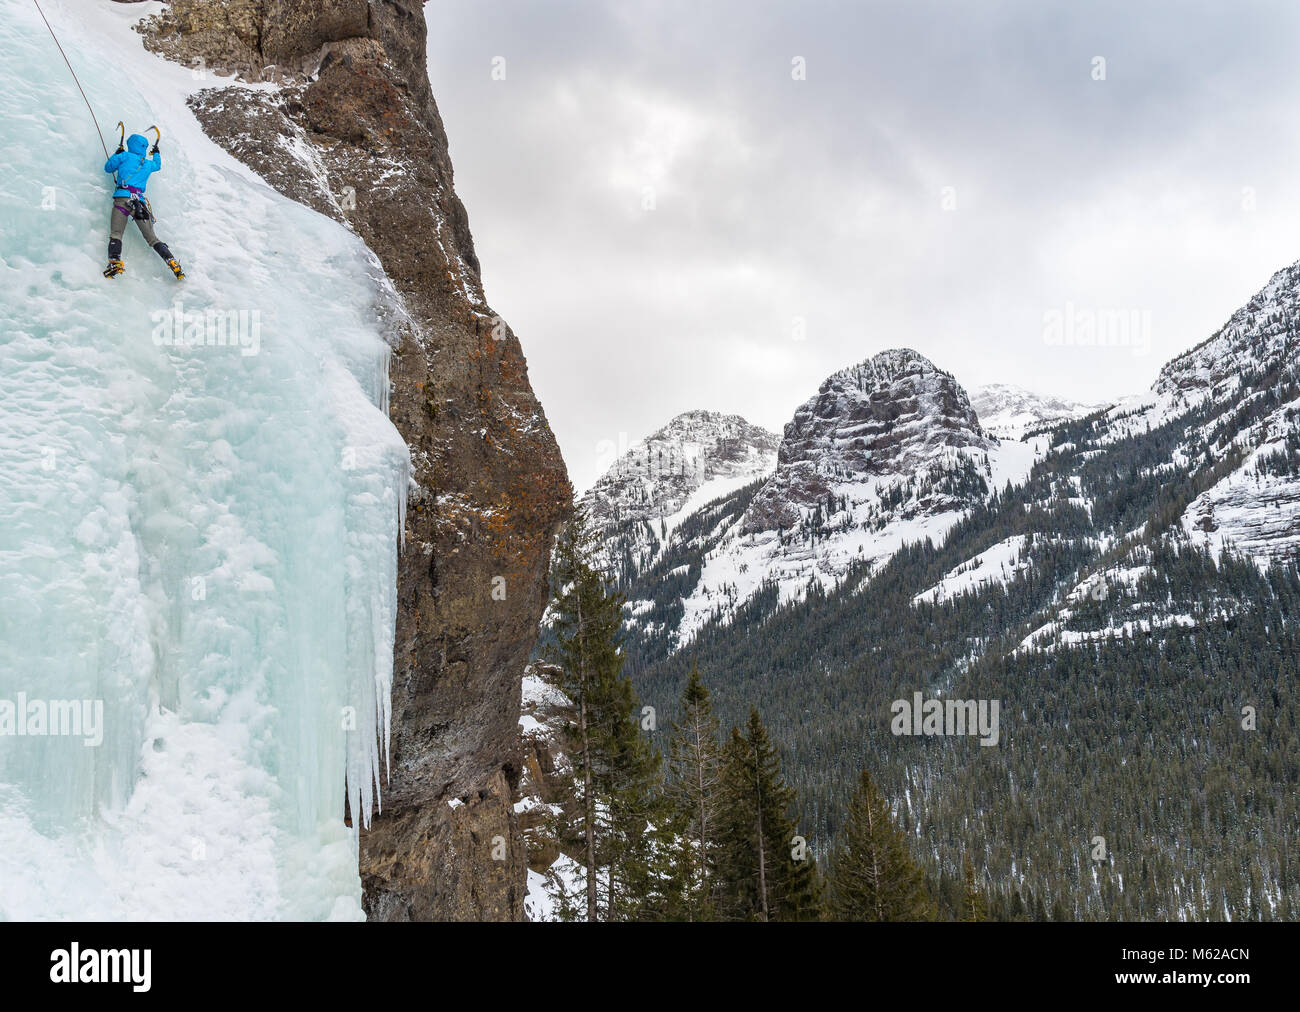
[586, 651]
[758, 875]
[625, 824]
[872, 875]
[639, 829]
[973, 907]
[695, 786]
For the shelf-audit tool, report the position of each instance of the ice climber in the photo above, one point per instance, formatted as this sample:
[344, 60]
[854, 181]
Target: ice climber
[132, 166]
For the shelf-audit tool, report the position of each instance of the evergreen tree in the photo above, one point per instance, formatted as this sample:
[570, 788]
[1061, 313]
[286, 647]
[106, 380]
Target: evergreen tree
[624, 822]
[695, 785]
[872, 875]
[972, 905]
[586, 651]
[758, 875]
[637, 823]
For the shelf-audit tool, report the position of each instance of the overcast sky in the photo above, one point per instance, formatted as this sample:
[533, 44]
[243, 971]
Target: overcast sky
[951, 177]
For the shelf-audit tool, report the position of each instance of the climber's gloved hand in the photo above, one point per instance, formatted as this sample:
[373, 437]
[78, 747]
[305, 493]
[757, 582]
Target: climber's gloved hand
[120, 149]
[154, 150]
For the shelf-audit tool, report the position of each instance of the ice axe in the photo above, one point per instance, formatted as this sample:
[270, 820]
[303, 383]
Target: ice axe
[156, 139]
[121, 137]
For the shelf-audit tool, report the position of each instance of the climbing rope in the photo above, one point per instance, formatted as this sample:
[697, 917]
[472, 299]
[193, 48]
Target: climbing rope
[74, 77]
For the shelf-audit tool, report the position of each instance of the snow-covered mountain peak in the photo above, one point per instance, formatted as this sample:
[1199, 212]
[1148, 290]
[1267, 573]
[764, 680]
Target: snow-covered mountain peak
[883, 368]
[1009, 411]
[889, 416]
[697, 456]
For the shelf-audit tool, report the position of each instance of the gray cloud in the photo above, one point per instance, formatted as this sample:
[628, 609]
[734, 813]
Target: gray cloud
[823, 199]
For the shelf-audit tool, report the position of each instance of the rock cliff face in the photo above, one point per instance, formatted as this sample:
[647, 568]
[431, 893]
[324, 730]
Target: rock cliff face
[352, 130]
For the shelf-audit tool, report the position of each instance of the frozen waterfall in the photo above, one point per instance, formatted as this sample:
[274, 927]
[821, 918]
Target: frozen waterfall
[197, 540]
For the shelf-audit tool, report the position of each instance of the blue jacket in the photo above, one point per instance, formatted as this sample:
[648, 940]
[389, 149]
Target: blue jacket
[133, 166]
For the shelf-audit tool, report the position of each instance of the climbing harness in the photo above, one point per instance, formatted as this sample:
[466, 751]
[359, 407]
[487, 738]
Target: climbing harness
[138, 206]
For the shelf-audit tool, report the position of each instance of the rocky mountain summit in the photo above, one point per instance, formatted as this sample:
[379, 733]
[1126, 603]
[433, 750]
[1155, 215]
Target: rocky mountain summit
[697, 457]
[895, 414]
[659, 476]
